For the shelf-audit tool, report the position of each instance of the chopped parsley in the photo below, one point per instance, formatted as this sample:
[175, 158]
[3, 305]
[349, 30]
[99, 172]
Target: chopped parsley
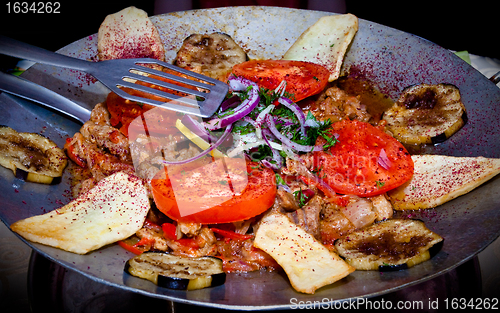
[260, 153]
[300, 197]
[268, 96]
[379, 183]
[243, 129]
[330, 141]
[280, 180]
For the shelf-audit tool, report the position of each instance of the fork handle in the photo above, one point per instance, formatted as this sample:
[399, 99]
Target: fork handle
[28, 90]
[21, 50]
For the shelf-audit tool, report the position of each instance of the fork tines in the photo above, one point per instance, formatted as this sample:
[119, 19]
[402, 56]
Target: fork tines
[190, 93]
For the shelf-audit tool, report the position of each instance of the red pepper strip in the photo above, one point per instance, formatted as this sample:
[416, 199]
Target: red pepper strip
[129, 248]
[72, 155]
[146, 242]
[170, 232]
[231, 234]
[149, 224]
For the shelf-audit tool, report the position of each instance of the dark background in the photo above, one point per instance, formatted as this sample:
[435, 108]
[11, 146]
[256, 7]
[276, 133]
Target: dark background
[457, 25]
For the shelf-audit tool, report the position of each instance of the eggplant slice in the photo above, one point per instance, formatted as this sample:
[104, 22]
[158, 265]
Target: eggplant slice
[213, 54]
[31, 156]
[177, 272]
[389, 245]
[426, 114]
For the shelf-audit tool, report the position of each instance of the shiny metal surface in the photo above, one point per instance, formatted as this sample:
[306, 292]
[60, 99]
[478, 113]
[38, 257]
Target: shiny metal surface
[389, 58]
[28, 90]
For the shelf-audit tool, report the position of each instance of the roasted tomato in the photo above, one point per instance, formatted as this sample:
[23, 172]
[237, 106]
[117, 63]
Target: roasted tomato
[365, 161]
[303, 79]
[223, 191]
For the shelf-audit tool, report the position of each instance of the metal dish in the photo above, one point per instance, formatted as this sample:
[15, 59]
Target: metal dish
[389, 58]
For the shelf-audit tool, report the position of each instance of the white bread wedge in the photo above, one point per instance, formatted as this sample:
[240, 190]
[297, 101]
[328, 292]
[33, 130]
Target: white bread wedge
[438, 179]
[113, 210]
[307, 263]
[127, 34]
[325, 42]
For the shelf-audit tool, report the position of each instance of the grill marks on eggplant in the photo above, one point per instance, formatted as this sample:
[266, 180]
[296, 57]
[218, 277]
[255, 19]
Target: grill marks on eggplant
[426, 114]
[213, 54]
[388, 245]
[177, 272]
[31, 156]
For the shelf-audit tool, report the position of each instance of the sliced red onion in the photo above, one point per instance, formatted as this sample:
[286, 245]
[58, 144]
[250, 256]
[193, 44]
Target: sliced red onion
[280, 90]
[383, 160]
[198, 129]
[260, 120]
[227, 131]
[240, 111]
[271, 165]
[296, 110]
[230, 103]
[249, 120]
[239, 83]
[286, 141]
[277, 158]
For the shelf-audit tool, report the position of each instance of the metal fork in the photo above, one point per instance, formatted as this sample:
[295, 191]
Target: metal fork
[28, 90]
[119, 73]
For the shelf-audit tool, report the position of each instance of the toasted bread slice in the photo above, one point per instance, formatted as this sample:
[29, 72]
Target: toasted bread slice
[111, 211]
[438, 179]
[325, 42]
[127, 34]
[308, 264]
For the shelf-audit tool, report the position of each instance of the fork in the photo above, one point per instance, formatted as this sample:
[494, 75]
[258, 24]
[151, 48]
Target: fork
[122, 72]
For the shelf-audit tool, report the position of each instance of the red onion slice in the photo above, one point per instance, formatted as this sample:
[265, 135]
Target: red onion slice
[296, 110]
[198, 129]
[383, 160]
[240, 111]
[230, 103]
[277, 158]
[286, 141]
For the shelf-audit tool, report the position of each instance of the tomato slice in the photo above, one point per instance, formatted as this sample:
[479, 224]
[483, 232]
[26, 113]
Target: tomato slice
[214, 192]
[303, 79]
[365, 161]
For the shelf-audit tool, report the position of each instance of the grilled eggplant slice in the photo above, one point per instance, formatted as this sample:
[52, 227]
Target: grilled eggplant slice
[31, 156]
[426, 114]
[177, 272]
[210, 54]
[389, 245]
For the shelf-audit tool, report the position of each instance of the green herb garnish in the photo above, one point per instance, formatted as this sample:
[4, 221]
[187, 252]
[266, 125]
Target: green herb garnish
[379, 183]
[300, 197]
